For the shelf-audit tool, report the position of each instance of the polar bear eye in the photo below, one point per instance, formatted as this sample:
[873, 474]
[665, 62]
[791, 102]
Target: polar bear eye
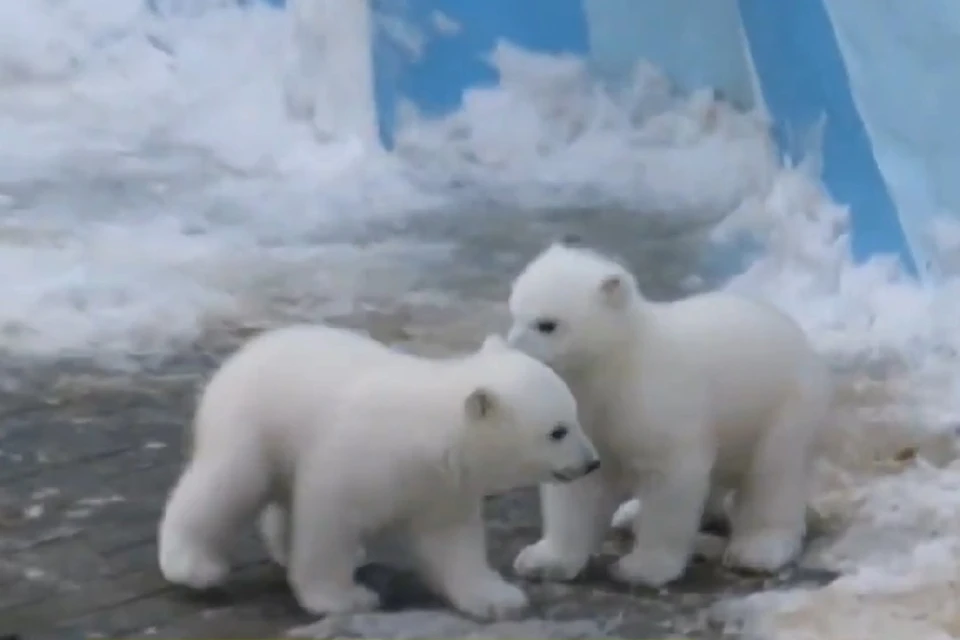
[559, 433]
[545, 326]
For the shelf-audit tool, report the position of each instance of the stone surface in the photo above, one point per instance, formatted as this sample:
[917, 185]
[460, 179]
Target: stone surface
[86, 460]
[434, 624]
[87, 457]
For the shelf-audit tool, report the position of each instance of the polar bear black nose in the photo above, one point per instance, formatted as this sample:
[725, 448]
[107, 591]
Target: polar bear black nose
[592, 466]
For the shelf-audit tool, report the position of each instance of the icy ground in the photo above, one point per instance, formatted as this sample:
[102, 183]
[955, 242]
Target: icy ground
[154, 192]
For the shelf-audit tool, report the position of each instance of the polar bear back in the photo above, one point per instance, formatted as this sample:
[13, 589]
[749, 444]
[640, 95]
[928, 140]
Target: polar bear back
[437, 388]
[403, 428]
[282, 382]
[342, 399]
[753, 356]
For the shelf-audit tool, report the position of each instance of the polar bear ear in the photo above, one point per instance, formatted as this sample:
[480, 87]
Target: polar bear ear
[494, 341]
[480, 404]
[615, 289]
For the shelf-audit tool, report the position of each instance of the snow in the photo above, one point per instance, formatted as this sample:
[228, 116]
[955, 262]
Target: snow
[154, 188]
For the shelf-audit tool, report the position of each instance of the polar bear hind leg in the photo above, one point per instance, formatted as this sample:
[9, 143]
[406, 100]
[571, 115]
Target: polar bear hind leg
[212, 499]
[324, 550]
[274, 525]
[770, 512]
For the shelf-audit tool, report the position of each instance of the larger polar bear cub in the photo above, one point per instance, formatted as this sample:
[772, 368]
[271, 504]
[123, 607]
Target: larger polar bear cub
[332, 437]
[685, 401]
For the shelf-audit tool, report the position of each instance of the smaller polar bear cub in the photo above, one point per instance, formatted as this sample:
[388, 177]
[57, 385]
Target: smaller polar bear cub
[685, 402]
[331, 437]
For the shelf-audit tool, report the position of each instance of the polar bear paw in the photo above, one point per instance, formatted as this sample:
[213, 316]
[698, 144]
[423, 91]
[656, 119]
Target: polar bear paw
[543, 561]
[765, 551]
[492, 599]
[186, 564]
[626, 515]
[273, 530]
[328, 600]
[648, 568]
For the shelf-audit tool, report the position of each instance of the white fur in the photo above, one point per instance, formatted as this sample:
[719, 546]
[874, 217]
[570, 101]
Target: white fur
[332, 437]
[625, 515]
[684, 401]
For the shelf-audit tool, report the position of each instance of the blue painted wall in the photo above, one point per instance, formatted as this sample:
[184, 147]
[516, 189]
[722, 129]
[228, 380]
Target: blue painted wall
[803, 78]
[791, 46]
[445, 61]
[698, 44]
[908, 94]
[176, 6]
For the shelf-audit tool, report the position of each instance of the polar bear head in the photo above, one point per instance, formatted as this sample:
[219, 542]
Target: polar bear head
[521, 421]
[572, 307]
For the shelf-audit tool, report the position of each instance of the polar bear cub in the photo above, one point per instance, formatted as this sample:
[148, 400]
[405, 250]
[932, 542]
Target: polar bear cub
[684, 401]
[331, 437]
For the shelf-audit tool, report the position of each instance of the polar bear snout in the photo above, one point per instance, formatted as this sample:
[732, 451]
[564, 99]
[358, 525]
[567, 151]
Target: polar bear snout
[541, 347]
[570, 453]
[517, 337]
[575, 473]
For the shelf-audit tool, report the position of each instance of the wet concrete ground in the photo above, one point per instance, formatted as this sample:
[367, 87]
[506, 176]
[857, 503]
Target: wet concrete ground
[88, 455]
[86, 460]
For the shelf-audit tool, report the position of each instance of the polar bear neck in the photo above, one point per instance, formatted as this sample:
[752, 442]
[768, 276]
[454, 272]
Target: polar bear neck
[466, 463]
[618, 350]
[458, 455]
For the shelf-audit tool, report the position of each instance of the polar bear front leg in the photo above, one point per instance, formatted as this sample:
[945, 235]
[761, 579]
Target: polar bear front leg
[323, 552]
[274, 525]
[666, 530]
[453, 558]
[575, 519]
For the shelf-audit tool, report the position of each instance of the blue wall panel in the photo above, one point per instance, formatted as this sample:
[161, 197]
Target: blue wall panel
[447, 62]
[803, 78]
[792, 44]
[697, 44]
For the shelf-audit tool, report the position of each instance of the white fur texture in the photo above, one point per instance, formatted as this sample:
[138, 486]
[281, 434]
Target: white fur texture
[686, 402]
[330, 437]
